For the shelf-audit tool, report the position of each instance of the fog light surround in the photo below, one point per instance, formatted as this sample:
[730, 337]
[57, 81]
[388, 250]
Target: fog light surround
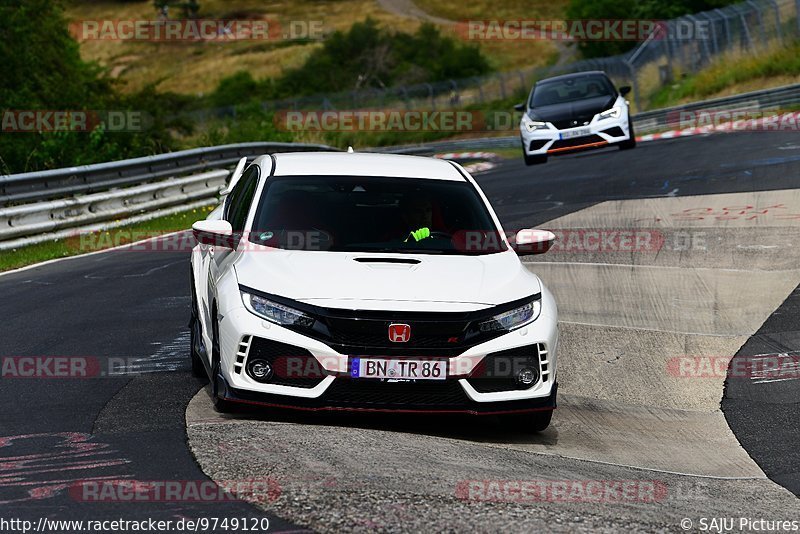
[527, 376]
[260, 370]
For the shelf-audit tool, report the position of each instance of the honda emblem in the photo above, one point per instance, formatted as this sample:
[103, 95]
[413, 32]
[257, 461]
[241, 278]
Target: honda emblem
[399, 333]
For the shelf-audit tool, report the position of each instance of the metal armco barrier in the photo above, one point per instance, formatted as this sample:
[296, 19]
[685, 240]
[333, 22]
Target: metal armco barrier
[58, 183]
[41, 217]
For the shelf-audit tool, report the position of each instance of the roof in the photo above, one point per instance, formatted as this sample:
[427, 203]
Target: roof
[573, 75]
[363, 164]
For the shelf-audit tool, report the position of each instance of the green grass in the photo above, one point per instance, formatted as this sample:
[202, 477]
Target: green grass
[732, 74]
[73, 246]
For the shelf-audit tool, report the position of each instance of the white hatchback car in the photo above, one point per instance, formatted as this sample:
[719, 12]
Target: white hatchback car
[341, 281]
[574, 112]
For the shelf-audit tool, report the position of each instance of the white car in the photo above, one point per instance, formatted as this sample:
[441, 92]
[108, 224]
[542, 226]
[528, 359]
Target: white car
[574, 112]
[342, 281]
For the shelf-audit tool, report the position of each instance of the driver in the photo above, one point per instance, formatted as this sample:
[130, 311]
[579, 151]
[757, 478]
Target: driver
[417, 214]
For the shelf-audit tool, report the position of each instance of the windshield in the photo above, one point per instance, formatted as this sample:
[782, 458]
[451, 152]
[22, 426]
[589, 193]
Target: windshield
[374, 214]
[571, 90]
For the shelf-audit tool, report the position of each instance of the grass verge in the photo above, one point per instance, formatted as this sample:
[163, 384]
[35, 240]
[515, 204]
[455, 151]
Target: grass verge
[733, 74]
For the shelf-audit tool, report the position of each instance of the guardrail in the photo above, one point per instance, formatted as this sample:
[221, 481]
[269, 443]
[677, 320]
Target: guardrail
[763, 100]
[107, 195]
[45, 185]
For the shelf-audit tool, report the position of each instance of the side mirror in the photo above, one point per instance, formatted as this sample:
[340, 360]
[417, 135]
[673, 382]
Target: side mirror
[624, 90]
[529, 241]
[217, 233]
[519, 107]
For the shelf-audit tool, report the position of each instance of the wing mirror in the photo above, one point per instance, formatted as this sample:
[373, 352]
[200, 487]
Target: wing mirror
[529, 241]
[624, 90]
[519, 107]
[217, 233]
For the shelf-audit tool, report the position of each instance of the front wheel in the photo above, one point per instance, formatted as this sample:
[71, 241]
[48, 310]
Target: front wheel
[222, 405]
[533, 160]
[530, 422]
[631, 142]
[195, 337]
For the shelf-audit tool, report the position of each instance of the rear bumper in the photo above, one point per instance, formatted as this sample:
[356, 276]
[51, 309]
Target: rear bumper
[358, 395]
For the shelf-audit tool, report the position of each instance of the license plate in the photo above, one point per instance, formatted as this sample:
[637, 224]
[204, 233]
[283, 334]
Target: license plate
[398, 369]
[580, 132]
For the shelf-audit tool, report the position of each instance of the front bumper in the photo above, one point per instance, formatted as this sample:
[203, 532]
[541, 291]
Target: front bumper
[329, 387]
[596, 134]
[351, 395]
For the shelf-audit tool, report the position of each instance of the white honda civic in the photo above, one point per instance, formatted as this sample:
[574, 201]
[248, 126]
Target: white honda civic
[370, 282]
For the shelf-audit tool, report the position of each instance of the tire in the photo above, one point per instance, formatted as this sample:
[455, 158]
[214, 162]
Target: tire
[541, 420]
[533, 160]
[221, 405]
[530, 422]
[198, 369]
[630, 143]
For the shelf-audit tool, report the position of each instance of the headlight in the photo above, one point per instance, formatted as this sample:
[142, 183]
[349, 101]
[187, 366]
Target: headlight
[532, 125]
[612, 113]
[274, 312]
[513, 319]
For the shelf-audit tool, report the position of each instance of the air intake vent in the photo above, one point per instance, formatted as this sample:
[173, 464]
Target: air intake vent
[241, 354]
[409, 261]
[544, 363]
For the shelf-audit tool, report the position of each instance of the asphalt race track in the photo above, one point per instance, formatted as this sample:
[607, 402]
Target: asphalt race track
[647, 333]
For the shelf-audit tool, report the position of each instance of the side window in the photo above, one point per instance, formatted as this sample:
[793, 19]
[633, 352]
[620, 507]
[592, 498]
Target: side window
[241, 198]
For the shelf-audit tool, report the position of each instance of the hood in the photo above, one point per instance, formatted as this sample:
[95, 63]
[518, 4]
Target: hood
[580, 109]
[369, 280]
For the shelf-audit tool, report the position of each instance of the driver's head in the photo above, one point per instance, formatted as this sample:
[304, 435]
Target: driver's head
[417, 211]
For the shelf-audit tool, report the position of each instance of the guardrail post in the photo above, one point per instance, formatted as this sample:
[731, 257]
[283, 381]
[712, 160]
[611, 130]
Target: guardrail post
[713, 29]
[726, 25]
[704, 42]
[635, 85]
[778, 28]
[745, 28]
[797, 14]
[757, 9]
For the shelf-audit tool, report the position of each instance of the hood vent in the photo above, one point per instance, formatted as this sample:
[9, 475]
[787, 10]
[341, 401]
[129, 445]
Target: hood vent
[406, 261]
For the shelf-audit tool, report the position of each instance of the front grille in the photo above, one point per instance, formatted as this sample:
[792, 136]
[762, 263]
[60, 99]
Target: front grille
[498, 370]
[576, 141]
[292, 366]
[573, 122]
[366, 333]
[379, 393]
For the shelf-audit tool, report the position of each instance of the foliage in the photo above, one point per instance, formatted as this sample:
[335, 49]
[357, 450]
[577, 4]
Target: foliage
[627, 10]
